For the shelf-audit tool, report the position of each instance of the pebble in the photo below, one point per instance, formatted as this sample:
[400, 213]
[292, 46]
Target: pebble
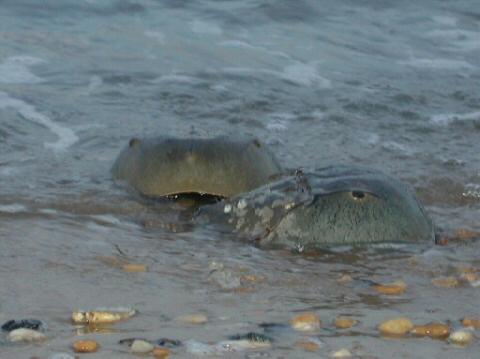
[193, 319]
[141, 346]
[432, 330]
[396, 326]
[85, 346]
[34, 324]
[471, 322]
[135, 268]
[161, 353]
[305, 322]
[25, 335]
[225, 278]
[168, 343]
[466, 234]
[309, 344]
[344, 279]
[102, 316]
[461, 337]
[445, 282]
[342, 353]
[394, 288]
[344, 322]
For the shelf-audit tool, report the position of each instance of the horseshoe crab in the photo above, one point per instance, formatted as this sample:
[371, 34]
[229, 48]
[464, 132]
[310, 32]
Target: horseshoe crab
[218, 166]
[336, 205]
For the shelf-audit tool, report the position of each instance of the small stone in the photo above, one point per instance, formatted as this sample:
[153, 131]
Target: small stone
[161, 353]
[141, 346]
[473, 322]
[309, 344]
[168, 343]
[394, 288]
[445, 282]
[225, 278]
[342, 353]
[470, 277]
[34, 324]
[432, 330]
[305, 322]
[193, 319]
[26, 335]
[461, 337]
[85, 346]
[344, 322]
[466, 234]
[102, 316]
[396, 326]
[134, 268]
[344, 279]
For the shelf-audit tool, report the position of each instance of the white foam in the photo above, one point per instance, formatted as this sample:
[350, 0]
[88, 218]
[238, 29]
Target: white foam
[438, 64]
[13, 208]
[397, 147]
[305, 74]
[94, 83]
[445, 20]
[319, 115]
[106, 218]
[201, 27]
[277, 125]
[15, 70]
[446, 119]
[301, 74]
[66, 135]
[156, 35]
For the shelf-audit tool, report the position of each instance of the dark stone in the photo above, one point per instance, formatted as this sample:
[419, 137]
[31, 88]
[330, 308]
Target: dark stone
[23, 323]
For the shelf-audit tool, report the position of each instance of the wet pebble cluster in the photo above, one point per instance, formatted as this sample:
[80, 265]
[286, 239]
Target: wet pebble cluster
[307, 327]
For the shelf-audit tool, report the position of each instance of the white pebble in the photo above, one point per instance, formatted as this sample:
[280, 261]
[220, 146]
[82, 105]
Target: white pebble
[342, 353]
[141, 346]
[242, 204]
[228, 208]
[461, 336]
[25, 335]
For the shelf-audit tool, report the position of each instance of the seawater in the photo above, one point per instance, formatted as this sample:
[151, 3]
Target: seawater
[390, 85]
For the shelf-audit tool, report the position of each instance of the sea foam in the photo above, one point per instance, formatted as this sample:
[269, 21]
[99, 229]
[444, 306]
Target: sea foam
[66, 136]
[15, 70]
[446, 119]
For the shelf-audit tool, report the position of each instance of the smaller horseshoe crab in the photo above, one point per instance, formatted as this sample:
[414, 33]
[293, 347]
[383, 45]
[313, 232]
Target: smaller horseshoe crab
[218, 166]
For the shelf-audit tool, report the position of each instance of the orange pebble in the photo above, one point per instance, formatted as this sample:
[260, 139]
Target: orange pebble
[161, 353]
[432, 330]
[305, 322]
[344, 322]
[394, 288]
[85, 346]
[446, 282]
[134, 268]
[471, 322]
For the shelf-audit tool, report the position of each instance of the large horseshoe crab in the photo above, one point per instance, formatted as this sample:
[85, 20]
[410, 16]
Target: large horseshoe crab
[336, 205]
[218, 166]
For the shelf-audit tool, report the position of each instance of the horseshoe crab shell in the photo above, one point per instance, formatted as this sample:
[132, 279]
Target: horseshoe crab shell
[218, 166]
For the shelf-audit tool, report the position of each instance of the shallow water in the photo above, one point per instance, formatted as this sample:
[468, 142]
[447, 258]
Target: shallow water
[390, 85]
